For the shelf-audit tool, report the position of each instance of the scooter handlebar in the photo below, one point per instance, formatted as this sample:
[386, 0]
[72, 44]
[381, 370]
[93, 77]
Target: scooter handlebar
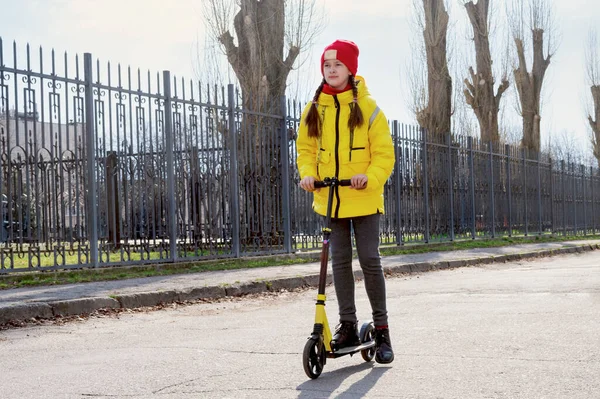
[327, 182]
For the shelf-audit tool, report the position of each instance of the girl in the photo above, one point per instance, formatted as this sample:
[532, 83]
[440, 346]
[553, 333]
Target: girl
[344, 134]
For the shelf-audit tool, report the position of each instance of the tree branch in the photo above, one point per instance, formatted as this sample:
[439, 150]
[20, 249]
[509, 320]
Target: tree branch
[540, 64]
[521, 54]
[592, 123]
[230, 49]
[501, 89]
[291, 57]
[478, 15]
[470, 99]
[472, 84]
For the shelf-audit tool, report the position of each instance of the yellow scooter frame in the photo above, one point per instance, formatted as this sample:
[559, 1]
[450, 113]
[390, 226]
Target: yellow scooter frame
[318, 347]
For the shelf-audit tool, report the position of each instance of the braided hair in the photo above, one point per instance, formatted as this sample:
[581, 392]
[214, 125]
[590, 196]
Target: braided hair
[356, 116]
[313, 121]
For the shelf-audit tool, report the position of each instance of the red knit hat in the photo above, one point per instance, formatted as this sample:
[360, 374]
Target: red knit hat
[343, 50]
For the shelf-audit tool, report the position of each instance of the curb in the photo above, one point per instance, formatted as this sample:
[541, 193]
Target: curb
[34, 311]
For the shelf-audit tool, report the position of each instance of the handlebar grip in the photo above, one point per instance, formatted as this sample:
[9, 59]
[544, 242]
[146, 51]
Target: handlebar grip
[330, 182]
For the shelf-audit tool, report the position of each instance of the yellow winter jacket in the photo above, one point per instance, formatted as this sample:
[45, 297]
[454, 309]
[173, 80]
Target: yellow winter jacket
[368, 150]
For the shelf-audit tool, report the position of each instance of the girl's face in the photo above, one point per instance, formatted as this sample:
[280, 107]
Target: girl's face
[336, 74]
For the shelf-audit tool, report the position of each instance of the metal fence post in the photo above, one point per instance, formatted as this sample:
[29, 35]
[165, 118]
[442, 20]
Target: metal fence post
[398, 175]
[472, 184]
[551, 198]
[492, 203]
[3, 236]
[525, 191]
[539, 192]
[92, 191]
[425, 183]
[450, 185]
[233, 164]
[170, 142]
[582, 168]
[593, 199]
[562, 163]
[574, 199]
[508, 189]
[285, 179]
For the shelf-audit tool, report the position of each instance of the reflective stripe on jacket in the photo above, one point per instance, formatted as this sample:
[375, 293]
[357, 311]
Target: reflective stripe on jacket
[338, 152]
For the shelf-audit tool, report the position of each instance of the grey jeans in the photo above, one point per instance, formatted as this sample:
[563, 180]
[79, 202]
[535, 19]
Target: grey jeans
[366, 233]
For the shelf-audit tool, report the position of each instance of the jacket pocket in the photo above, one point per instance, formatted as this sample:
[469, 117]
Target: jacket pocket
[358, 155]
[323, 160]
[361, 159]
[323, 156]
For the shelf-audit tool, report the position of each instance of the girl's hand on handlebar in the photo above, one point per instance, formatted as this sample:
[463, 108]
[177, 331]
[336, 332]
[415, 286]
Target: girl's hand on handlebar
[359, 182]
[308, 184]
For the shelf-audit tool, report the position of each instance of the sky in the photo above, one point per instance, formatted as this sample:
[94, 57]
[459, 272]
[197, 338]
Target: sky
[161, 35]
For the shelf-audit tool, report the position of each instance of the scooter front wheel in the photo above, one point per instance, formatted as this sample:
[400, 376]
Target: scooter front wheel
[313, 357]
[367, 334]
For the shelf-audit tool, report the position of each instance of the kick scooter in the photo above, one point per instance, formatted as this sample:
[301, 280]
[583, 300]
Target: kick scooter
[318, 347]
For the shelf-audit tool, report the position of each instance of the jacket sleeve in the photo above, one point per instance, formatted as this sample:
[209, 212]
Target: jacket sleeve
[382, 153]
[306, 148]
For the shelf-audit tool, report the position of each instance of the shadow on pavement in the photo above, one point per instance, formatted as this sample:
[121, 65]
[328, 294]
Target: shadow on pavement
[329, 382]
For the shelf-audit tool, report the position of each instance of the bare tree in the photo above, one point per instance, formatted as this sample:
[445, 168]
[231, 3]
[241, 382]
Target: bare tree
[565, 146]
[592, 62]
[432, 96]
[434, 110]
[264, 29]
[415, 71]
[210, 67]
[269, 37]
[534, 16]
[479, 91]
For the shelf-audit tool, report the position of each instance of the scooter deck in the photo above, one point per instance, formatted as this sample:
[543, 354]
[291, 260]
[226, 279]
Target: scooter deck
[350, 350]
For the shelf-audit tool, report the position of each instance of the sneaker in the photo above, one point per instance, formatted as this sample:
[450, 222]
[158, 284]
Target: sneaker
[383, 346]
[345, 336]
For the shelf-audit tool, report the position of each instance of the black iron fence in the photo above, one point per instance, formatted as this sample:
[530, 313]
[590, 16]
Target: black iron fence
[105, 165]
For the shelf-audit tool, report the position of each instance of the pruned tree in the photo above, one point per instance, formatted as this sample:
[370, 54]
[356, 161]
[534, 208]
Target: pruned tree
[479, 91]
[433, 110]
[269, 37]
[432, 99]
[592, 63]
[262, 40]
[533, 16]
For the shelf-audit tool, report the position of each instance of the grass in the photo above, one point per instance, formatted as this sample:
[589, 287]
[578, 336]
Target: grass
[479, 243]
[71, 258]
[56, 277]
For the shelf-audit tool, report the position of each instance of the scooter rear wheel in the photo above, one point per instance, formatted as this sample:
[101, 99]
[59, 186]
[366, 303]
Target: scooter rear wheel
[367, 334]
[313, 357]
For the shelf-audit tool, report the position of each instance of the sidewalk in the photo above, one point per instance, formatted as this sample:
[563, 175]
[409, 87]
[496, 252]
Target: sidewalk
[24, 304]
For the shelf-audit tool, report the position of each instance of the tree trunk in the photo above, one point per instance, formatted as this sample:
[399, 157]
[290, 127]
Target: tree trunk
[436, 116]
[595, 123]
[259, 64]
[529, 87]
[479, 91]
[258, 59]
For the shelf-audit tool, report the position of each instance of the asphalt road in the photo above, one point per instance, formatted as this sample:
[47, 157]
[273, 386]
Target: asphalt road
[526, 329]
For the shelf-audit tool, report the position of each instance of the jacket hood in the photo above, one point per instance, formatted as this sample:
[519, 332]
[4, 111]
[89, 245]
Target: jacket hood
[345, 97]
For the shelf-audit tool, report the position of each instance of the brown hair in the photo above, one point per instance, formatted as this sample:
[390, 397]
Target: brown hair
[313, 121]
[356, 116]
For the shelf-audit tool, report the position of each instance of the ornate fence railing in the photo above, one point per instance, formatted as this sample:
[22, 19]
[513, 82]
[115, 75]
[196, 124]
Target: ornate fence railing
[106, 165]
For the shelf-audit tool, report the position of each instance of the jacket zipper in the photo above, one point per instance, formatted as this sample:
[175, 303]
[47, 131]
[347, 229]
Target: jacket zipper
[351, 137]
[337, 155]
